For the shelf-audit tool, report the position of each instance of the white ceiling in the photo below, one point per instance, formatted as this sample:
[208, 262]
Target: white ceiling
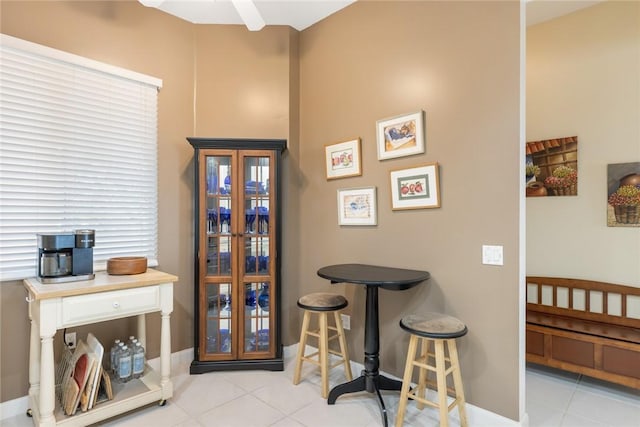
[301, 14]
[298, 14]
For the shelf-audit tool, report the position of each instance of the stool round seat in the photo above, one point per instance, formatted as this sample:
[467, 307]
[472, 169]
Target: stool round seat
[433, 325]
[322, 301]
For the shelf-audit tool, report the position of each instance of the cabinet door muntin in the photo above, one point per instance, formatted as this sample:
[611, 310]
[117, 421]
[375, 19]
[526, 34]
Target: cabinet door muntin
[257, 335]
[217, 326]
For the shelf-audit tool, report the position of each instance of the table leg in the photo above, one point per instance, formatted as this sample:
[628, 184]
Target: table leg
[141, 321]
[34, 355]
[360, 384]
[47, 382]
[370, 380]
[369, 377]
[383, 409]
[353, 386]
[385, 383]
[166, 292]
[371, 339]
[47, 393]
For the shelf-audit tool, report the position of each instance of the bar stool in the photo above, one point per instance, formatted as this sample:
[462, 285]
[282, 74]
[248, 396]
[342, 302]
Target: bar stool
[321, 304]
[439, 329]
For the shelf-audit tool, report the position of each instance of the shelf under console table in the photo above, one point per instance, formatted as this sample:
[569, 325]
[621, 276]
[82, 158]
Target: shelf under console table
[107, 297]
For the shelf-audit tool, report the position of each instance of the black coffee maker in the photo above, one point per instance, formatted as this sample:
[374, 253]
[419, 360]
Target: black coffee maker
[66, 257]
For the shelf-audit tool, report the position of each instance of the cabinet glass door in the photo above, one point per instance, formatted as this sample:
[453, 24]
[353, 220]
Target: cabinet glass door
[257, 248]
[218, 215]
[217, 325]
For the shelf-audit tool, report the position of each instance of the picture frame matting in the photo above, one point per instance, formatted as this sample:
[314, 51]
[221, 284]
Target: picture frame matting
[357, 206]
[343, 159]
[415, 188]
[401, 136]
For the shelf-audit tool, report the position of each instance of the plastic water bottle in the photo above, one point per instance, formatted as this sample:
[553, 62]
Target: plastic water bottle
[115, 360]
[131, 343]
[112, 354]
[124, 364]
[138, 360]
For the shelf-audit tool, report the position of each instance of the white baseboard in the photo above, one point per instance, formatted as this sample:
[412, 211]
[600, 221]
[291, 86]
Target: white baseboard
[474, 413]
[19, 406]
[15, 407]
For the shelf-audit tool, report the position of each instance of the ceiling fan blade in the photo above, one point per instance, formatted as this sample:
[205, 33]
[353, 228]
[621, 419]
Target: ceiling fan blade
[249, 14]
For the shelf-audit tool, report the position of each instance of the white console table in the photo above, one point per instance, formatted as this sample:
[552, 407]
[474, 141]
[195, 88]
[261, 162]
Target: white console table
[65, 305]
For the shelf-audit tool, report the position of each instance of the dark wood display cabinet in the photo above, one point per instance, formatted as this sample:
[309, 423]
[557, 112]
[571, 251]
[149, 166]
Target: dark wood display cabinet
[237, 242]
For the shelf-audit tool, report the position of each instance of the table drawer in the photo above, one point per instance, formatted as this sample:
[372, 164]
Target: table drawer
[91, 308]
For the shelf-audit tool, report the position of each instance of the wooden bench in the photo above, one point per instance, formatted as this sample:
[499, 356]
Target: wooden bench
[587, 327]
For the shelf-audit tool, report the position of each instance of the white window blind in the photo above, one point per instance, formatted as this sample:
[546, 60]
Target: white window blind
[78, 150]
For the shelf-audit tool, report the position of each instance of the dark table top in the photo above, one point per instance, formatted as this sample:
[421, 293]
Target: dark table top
[391, 278]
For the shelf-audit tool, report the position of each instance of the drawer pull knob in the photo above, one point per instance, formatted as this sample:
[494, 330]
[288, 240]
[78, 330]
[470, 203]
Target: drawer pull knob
[116, 304]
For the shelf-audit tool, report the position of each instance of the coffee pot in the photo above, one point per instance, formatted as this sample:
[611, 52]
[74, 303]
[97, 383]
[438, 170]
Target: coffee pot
[65, 257]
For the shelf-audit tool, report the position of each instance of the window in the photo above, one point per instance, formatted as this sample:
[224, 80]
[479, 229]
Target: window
[78, 150]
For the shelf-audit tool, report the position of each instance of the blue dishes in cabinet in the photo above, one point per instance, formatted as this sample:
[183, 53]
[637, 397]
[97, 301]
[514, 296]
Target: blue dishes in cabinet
[219, 341]
[262, 264]
[251, 298]
[263, 298]
[260, 344]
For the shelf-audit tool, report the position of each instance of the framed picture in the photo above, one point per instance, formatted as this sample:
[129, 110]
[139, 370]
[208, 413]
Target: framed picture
[343, 159]
[623, 194]
[551, 167]
[357, 206]
[415, 188]
[400, 136]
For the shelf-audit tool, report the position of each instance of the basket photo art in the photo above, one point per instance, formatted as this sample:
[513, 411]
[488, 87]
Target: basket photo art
[623, 199]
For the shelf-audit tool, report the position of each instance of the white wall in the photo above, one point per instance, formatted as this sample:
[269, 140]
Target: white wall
[583, 78]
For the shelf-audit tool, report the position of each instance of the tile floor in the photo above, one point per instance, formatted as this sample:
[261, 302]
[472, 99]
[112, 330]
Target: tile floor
[258, 398]
[562, 399]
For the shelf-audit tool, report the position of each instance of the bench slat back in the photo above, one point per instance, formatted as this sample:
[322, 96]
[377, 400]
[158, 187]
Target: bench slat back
[585, 299]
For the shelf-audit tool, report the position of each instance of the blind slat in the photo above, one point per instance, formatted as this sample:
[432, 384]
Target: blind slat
[78, 149]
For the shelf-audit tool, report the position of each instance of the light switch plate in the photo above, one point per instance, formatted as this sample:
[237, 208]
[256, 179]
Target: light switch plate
[492, 255]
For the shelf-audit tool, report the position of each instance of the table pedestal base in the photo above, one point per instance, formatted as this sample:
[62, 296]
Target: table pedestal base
[373, 277]
[371, 384]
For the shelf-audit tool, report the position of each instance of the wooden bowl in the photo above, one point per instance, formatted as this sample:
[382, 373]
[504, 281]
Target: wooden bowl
[127, 265]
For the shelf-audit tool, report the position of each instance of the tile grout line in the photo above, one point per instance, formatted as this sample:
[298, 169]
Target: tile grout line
[565, 411]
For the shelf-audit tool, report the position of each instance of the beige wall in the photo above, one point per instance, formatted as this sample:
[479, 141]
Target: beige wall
[458, 61]
[583, 78]
[242, 81]
[132, 36]
[247, 87]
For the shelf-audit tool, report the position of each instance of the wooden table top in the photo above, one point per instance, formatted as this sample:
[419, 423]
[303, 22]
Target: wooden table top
[373, 275]
[101, 283]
